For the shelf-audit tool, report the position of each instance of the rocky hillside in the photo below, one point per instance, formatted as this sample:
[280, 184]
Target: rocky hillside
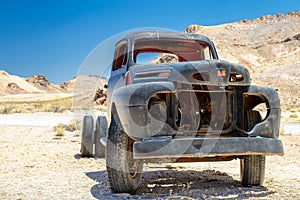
[10, 84]
[269, 46]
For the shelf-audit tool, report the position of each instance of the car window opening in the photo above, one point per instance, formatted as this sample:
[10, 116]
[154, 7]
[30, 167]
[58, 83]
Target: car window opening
[158, 51]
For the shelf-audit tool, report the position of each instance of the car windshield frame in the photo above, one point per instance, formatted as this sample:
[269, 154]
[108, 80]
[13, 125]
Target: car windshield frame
[186, 50]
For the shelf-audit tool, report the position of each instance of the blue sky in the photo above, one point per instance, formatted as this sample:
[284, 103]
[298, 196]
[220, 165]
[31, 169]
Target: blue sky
[53, 37]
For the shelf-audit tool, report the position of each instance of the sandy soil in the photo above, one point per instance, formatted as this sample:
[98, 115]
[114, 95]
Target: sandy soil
[36, 164]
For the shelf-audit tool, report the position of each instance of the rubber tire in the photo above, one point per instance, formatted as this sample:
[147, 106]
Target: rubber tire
[118, 159]
[101, 130]
[252, 117]
[87, 137]
[253, 166]
[253, 170]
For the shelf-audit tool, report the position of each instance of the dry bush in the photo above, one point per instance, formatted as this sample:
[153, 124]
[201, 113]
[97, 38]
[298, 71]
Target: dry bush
[294, 115]
[61, 127]
[60, 132]
[6, 109]
[55, 105]
[292, 110]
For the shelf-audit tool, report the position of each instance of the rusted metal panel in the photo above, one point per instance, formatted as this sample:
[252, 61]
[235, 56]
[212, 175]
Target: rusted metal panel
[190, 99]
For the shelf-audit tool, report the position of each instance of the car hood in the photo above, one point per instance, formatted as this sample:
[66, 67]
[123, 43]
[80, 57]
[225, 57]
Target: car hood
[206, 72]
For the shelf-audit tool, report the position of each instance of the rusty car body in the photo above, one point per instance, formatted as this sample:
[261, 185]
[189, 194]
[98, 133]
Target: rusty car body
[184, 105]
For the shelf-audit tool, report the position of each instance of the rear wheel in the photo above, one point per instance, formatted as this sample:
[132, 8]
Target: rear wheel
[101, 129]
[252, 166]
[124, 172]
[87, 137]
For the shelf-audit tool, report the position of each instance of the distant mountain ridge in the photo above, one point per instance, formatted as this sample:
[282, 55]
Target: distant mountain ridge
[11, 84]
[39, 84]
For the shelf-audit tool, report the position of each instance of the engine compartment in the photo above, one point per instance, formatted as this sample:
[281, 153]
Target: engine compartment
[201, 109]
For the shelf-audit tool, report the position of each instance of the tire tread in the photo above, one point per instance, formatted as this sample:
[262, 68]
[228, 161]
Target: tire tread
[252, 166]
[117, 161]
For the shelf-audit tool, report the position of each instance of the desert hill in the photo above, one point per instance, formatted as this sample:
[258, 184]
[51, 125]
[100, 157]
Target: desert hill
[39, 84]
[268, 40]
[10, 84]
[269, 46]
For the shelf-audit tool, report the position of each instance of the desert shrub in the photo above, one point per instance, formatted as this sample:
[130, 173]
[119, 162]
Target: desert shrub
[53, 105]
[57, 105]
[59, 125]
[7, 109]
[71, 127]
[60, 132]
[294, 115]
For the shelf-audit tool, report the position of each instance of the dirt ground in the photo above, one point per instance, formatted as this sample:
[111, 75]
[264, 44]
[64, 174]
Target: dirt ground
[37, 164]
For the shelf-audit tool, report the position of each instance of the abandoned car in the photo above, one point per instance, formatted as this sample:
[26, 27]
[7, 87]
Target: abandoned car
[170, 99]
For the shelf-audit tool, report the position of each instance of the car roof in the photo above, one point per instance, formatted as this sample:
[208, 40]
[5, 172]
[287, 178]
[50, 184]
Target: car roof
[165, 35]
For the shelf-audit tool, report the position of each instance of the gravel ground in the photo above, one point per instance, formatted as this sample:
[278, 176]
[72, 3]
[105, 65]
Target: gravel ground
[37, 164]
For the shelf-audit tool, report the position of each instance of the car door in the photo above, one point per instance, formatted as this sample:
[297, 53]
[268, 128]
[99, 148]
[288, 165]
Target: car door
[119, 68]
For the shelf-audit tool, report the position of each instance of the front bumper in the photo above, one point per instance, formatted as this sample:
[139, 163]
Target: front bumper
[166, 147]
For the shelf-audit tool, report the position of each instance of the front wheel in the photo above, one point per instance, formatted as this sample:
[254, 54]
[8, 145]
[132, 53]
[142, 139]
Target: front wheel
[124, 172]
[253, 166]
[253, 170]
